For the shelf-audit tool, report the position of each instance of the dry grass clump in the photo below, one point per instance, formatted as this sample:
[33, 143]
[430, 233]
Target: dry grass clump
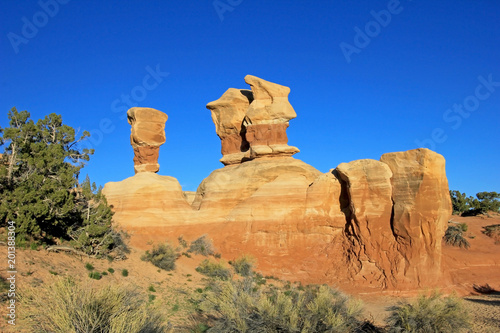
[454, 237]
[243, 306]
[428, 314]
[493, 231]
[69, 307]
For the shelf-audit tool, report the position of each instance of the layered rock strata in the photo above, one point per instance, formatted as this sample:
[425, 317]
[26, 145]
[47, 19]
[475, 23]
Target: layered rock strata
[147, 135]
[367, 223]
[252, 124]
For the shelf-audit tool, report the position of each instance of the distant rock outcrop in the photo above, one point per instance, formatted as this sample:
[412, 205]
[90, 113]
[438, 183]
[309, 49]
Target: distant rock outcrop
[367, 223]
[147, 135]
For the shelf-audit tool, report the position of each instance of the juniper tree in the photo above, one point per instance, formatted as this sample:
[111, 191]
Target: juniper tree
[39, 187]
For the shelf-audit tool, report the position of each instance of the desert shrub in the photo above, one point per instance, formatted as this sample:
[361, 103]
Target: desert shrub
[242, 306]
[68, 307]
[214, 269]
[463, 226]
[89, 266]
[428, 314]
[162, 256]
[244, 265]
[95, 275]
[182, 242]
[492, 231]
[203, 246]
[454, 237]
[125, 272]
[152, 289]
[111, 270]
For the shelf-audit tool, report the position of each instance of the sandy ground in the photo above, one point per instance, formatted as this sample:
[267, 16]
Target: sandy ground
[480, 265]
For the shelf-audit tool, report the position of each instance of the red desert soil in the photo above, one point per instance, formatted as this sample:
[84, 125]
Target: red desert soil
[479, 266]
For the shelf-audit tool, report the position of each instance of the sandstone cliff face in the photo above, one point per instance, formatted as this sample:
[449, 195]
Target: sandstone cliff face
[422, 206]
[365, 224]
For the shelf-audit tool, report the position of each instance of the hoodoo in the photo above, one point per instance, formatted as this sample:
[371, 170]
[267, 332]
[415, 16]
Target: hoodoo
[366, 224]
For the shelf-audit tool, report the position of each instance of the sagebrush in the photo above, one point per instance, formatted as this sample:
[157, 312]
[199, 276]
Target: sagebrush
[432, 313]
[243, 306]
[162, 256]
[244, 265]
[203, 246]
[69, 307]
[214, 269]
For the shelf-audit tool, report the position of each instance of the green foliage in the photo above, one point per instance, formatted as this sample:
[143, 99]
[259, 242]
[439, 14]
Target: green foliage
[39, 187]
[203, 246]
[454, 237]
[162, 256]
[53, 272]
[463, 226]
[484, 202]
[244, 265]
[152, 289]
[428, 314]
[214, 269]
[67, 306]
[95, 275]
[111, 270]
[125, 272]
[89, 266]
[242, 306]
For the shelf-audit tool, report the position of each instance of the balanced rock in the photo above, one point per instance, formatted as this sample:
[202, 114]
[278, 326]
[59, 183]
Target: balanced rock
[147, 135]
[267, 119]
[228, 113]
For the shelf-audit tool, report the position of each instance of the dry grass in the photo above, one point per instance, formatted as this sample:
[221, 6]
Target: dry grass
[69, 307]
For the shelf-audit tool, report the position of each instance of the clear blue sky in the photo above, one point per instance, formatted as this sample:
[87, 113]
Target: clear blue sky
[366, 77]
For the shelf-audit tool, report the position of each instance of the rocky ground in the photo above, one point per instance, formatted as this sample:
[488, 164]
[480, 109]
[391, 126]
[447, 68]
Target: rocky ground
[37, 268]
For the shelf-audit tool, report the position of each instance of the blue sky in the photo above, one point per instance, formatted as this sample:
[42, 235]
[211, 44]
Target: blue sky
[366, 77]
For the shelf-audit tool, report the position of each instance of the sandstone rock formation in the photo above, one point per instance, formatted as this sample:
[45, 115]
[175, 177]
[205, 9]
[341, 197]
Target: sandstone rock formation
[252, 124]
[147, 135]
[267, 119]
[366, 224]
[372, 246]
[228, 113]
[422, 206]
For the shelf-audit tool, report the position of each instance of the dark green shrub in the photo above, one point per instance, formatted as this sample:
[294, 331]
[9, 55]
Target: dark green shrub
[242, 306]
[67, 306]
[152, 289]
[95, 275]
[203, 246]
[454, 237]
[125, 272]
[89, 266]
[53, 273]
[244, 265]
[162, 256]
[111, 270]
[428, 314]
[104, 273]
[213, 269]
